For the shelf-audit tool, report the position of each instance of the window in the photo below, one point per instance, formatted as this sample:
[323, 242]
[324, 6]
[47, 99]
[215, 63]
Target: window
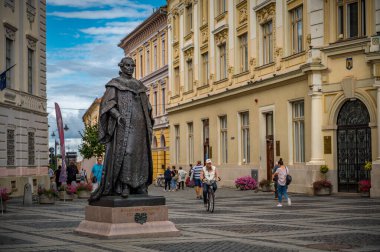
[8, 60]
[30, 70]
[204, 12]
[31, 153]
[141, 65]
[206, 139]
[205, 72]
[155, 103]
[176, 131]
[296, 29]
[298, 131]
[189, 75]
[147, 61]
[10, 147]
[221, 6]
[223, 139]
[155, 57]
[189, 19]
[351, 18]
[163, 101]
[176, 80]
[267, 43]
[245, 137]
[222, 62]
[243, 52]
[163, 51]
[190, 141]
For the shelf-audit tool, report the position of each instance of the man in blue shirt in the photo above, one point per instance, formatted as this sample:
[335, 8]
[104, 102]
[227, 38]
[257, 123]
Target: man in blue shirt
[96, 173]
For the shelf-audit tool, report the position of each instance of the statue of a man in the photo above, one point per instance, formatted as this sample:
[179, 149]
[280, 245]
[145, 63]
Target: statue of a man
[125, 126]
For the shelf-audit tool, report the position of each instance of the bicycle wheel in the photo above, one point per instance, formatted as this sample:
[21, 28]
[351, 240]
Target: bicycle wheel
[210, 200]
[161, 182]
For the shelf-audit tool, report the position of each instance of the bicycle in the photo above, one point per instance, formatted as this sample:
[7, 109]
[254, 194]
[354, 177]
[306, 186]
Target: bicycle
[210, 200]
[160, 180]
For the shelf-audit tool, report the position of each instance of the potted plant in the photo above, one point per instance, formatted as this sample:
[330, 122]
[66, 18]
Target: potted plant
[46, 196]
[4, 194]
[66, 192]
[84, 190]
[364, 187]
[246, 183]
[266, 185]
[322, 186]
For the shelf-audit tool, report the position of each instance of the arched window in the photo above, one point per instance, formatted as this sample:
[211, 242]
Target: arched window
[162, 141]
[154, 144]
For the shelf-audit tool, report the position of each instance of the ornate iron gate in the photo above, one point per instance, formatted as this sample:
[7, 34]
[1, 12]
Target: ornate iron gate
[354, 145]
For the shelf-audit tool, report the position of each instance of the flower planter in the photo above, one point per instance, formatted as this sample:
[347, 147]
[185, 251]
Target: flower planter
[364, 194]
[63, 195]
[46, 200]
[324, 191]
[266, 188]
[83, 194]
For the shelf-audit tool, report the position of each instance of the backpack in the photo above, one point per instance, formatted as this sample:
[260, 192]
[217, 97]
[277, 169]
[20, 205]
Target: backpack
[288, 177]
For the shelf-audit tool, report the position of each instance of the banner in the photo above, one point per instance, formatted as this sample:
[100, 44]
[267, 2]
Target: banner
[63, 175]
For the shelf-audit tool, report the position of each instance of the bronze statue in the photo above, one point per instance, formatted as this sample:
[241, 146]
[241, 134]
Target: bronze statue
[125, 126]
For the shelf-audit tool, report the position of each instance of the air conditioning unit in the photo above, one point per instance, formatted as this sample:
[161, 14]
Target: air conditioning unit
[375, 44]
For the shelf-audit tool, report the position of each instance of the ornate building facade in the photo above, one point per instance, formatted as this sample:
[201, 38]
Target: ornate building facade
[252, 81]
[23, 116]
[148, 46]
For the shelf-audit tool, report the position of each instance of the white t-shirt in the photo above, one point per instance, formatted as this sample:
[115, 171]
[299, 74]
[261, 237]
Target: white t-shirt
[181, 175]
[282, 175]
[209, 175]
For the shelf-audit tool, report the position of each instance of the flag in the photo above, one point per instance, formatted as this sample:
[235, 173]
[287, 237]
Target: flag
[3, 78]
[63, 175]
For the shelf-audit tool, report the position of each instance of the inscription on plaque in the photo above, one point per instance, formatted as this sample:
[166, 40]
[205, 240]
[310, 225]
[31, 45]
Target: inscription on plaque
[327, 144]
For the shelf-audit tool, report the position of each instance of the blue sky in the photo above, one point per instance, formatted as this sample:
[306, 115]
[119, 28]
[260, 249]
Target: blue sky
[82, 53]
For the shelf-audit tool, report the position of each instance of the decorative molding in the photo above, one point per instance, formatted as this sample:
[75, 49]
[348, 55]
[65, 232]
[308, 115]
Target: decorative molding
[10, 31]
[31, 42]
[10, 4]
[31, 12]
[243, 16]
[189, 53]
[221, 35]
[267, 13]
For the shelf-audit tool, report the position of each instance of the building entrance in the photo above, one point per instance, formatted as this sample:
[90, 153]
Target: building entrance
[354, 145]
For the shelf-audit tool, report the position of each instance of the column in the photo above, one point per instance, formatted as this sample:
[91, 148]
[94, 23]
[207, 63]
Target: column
[316, 157]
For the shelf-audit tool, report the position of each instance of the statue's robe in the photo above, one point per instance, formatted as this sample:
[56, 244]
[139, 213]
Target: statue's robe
[128, 157]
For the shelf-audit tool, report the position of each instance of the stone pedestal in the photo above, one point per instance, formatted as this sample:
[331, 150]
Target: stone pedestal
[134, 217]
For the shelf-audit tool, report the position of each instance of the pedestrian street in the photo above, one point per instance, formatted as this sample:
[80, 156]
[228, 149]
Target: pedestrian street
[242, 221]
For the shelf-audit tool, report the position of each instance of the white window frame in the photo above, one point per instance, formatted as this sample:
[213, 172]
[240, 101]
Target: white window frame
[296, 35]
[223, 139]
[267, 38]
[190, 142]
[298, 132]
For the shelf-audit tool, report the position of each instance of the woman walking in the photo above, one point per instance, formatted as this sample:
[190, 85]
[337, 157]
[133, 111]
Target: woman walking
[282, 188]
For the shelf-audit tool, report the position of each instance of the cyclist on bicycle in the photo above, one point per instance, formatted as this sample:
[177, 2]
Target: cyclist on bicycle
[209, 176]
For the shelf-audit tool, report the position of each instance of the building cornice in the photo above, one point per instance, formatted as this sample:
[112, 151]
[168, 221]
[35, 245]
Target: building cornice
[154, 74]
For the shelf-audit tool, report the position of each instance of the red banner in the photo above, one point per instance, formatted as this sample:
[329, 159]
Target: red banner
[63, 175]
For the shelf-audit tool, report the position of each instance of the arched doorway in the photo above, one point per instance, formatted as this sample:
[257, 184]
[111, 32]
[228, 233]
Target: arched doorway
[354, 145]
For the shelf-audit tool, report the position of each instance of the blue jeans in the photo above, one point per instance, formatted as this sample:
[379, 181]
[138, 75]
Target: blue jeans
[282, 191]
[205, 190]
[174, 184]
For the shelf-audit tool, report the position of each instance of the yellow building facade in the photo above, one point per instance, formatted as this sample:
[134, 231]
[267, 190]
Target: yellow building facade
[148, 46]
[251, 81]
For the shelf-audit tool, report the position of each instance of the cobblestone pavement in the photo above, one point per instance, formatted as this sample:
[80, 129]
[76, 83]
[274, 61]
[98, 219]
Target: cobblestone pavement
[242, 221]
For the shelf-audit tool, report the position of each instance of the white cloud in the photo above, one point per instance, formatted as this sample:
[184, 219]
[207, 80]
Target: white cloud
[119, 28]
[98, 3]
[103, 14]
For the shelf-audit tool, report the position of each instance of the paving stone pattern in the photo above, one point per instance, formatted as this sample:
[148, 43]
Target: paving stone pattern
[242, 221]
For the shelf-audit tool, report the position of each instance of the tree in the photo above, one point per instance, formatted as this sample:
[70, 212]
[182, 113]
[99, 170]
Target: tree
[90, 146]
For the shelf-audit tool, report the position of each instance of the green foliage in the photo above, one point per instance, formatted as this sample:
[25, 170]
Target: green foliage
[90, 146]
[324, 169]
[368, 165]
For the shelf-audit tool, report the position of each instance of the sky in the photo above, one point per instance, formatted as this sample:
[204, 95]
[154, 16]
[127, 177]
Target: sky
[82, 54]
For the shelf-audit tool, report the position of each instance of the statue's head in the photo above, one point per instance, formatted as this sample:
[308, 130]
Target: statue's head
[127, 66]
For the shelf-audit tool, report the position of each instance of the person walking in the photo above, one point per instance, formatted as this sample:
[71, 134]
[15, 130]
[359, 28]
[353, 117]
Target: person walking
[181, 178]
[72, 171]
[57, 174]
[168, 178]
[275, 178]
[196, 175]
[282, 188]
[174, 179]
[96, 173]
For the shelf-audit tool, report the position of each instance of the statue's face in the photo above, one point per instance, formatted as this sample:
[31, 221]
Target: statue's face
[128, 67]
